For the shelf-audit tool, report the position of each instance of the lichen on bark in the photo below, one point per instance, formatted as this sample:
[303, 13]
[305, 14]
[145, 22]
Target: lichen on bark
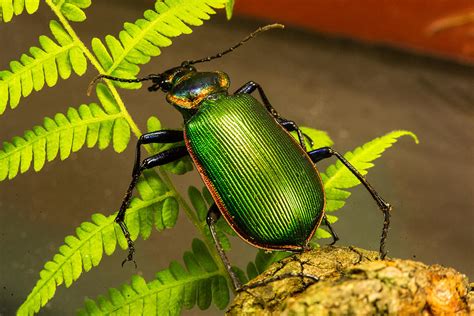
[354, 281]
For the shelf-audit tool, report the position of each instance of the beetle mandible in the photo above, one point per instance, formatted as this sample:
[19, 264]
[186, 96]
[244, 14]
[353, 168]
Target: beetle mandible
[264, 182]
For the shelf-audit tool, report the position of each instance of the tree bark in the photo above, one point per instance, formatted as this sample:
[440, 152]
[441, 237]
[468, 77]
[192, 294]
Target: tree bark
[354, 281]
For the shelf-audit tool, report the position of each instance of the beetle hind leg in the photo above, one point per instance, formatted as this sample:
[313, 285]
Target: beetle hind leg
[212, 216]
[326, 152]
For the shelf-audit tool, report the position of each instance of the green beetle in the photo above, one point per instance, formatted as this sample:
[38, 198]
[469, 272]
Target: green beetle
[264, 182]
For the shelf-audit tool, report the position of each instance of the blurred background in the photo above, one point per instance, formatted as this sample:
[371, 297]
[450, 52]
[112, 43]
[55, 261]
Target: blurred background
[355, 71]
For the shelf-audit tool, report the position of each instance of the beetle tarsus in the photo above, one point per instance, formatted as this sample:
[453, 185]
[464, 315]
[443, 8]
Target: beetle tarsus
[131, 252]
[131, 245]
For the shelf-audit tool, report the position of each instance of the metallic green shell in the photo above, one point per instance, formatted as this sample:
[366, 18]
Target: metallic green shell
[263, 182]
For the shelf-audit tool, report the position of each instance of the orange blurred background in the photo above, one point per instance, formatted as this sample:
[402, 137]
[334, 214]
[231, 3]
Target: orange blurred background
[438, 27]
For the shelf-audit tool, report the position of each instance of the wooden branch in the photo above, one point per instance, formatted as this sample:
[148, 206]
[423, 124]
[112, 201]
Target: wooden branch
[353, 281]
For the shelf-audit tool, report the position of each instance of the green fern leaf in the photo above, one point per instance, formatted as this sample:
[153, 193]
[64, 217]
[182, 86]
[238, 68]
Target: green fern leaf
[229, 8]
[180, 166]
[101, 235]
[141, 40]
[337, 177]
[73, 9]
[70, 9]
[9, 8]
[44, 64]
[176, 288]
[88, 125]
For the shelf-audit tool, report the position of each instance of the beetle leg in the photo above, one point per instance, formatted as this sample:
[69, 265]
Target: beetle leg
[212, 216]
[162, 158]
[158, 137]
[250, 87]
[290, 126]
[334, 236]
[326, 152]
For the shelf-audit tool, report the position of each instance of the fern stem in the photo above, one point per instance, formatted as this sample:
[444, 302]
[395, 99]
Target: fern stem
[96, 64]
[136, 130]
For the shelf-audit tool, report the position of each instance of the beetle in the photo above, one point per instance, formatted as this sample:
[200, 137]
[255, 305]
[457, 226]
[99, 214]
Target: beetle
[263, 181]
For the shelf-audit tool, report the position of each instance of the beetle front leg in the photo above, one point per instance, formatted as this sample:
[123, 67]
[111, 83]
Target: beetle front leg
[290, 126]
[212, 216]
[158, 137]
[326, 152]
[162, 158]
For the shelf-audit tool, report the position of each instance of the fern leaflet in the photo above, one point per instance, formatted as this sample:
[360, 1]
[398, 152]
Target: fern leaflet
[337, 177]
[175, 288]
[63, 134]
[141, 40]
[229, 8]
[46, 63]
[156, 207]
[71, 9]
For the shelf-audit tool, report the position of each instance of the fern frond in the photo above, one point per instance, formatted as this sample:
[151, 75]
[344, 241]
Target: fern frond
[176, 288]
[70, 9]
[337, 177]
[88, 125]
[53, 59]
[157, 206]
[141, 40]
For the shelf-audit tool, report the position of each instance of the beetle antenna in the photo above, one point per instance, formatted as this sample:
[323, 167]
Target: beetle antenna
[249, 37]
[100, 77]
